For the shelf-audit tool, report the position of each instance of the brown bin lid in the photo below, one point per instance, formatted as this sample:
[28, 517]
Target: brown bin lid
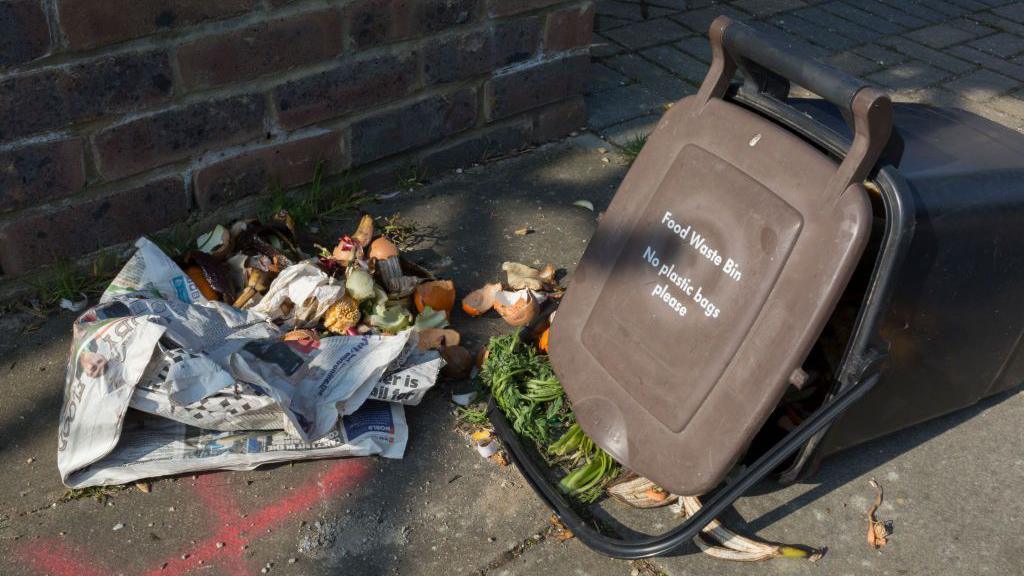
[710, 276]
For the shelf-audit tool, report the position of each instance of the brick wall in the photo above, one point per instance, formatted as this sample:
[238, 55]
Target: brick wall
[121, 117]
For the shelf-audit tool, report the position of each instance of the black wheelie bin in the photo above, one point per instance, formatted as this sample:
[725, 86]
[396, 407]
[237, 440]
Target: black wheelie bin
[777, 279]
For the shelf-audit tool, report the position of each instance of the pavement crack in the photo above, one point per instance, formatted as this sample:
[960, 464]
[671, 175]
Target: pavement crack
[516, 551]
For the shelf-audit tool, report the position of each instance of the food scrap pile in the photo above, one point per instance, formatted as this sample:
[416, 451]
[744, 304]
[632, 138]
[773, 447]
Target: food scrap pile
[362, 286]
[528, 289]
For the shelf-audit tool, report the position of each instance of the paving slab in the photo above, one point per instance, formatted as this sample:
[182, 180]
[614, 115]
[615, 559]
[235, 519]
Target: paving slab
[648, 33]
[626, 132]
[651, 76]
[604, 78]
[678, 62]
[982, 85]
[621, 104]
[632, 11]
[909, 76]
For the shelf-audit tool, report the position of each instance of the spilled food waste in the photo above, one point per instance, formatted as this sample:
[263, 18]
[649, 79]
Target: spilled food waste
[247, 351]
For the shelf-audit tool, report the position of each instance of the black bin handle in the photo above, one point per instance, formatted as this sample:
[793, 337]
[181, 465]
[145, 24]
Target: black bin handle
[834, 85]
[733, 44]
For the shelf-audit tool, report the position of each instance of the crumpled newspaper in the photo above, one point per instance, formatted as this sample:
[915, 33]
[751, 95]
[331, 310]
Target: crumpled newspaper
[162, 381]
[308, 288]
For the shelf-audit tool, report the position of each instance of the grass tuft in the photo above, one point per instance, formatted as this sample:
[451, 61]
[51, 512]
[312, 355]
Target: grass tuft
[410, 178]
[177, 240]
[98, 493]
[631, 149]
[403, 232]
[67, 280]
[472, 416]
[318, 203]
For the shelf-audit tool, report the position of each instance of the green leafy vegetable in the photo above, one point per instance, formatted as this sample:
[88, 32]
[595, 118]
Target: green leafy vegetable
[430, 318]
[528, 392]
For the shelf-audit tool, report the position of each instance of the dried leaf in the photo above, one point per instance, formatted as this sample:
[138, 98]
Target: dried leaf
[547, 275]
[144, 487]
[523, 231]
[561, 533]
[877, 533]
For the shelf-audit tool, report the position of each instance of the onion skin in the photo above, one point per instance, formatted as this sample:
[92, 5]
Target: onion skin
[302, 334]
[519, 312]
[382, 249]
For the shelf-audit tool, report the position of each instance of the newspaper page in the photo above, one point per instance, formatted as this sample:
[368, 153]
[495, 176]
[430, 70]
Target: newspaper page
[152, 446]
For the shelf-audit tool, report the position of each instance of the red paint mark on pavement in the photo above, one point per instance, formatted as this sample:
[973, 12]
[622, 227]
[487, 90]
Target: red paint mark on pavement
[217, 498]
[231, 530]
[56, 558]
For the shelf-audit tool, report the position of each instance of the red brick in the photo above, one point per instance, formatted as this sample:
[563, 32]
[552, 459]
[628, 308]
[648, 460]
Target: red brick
[499, 8]
[92, 23]
[286, 165]
[271, 46]
[523, 89]
[375, 22]
[24, 32]
[559, 119]
[177, 133]
[354, 85]
[37, 173]
[58, 97]
[569, 28]
[462, 56]
[422, 122]
[42, 237]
